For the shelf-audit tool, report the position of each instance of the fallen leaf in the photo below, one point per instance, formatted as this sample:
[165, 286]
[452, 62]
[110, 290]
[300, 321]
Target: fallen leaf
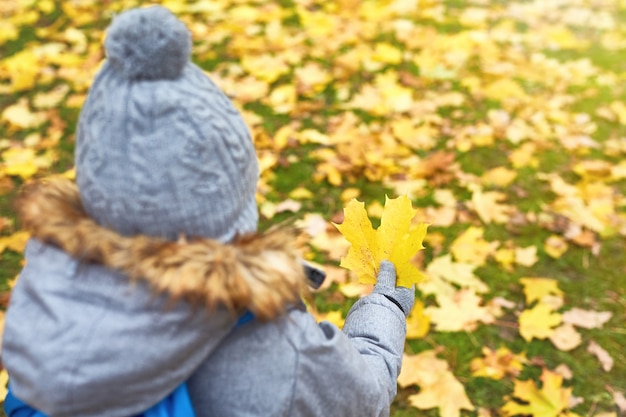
[470, 247]
[334, 317]
[396, 240]
[555, 246]
[551, 400]
[462, 311]
[15, 242]
[458, 273]
[565, 337]
[603, 356]
[496, 364]
[288, 205]
[20, 162]
[537, 288]
[564, 371]
[19, 116]
[499, 176]
[526, 256]
[575, 401]
[587, 319]
[418, 323]
[438, 386]
[488, 207]
[620, 400]
[355, 289]
[4, 382]
[538, 322]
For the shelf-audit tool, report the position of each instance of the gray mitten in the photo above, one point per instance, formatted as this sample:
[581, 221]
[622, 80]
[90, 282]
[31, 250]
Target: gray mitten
[403, 297]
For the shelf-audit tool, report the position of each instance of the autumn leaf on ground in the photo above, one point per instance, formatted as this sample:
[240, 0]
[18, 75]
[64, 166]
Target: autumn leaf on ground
[396, 240]
[438, 386]
[587, 319]
[551, 400]
[603, 356]
[489, 208]
[619, 398]
[4, 381]
[565, 337]
[538, 288]
[471, 247]
[418, 323]
[462, 311]
[15, 242]
[496, 364]
[538, 322]
[458, 273]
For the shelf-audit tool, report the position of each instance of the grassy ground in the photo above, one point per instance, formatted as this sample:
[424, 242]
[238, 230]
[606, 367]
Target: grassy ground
[454, 59]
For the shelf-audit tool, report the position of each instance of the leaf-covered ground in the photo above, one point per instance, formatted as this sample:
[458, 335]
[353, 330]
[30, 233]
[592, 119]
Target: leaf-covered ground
[503, 121]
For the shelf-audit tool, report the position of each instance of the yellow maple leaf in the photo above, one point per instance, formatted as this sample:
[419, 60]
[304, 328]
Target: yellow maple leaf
[555, 246]
[20, 117]
[538, 288]
[19, 162]
[470, 247]
[418, 323]
[438, 386]
[488, 207]
[538, 322]
[461, 311]
[550, 401]
[396, 240]
[15, 242]
[496, 364]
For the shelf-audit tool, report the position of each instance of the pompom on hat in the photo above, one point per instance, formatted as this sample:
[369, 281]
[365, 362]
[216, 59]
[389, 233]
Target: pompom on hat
[160, 150]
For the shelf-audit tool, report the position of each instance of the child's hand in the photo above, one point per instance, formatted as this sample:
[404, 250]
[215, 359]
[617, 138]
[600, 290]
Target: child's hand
[403, 297]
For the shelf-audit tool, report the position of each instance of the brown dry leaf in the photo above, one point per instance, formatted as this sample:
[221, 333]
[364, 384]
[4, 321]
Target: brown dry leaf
[603, 356]
[587, 319]
[438, 386]
[435, 164]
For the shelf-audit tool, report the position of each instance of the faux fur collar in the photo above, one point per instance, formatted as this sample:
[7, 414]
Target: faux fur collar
[261, 273]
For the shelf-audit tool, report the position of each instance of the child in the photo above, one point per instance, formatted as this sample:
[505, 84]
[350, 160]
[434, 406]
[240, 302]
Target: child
[166, 178]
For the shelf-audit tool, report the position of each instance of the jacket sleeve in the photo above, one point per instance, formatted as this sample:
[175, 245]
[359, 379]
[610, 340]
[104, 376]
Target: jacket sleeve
[357, 369]
[296, 367]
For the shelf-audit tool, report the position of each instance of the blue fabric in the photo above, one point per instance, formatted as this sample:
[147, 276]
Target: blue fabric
[177, 404]
[245, 318]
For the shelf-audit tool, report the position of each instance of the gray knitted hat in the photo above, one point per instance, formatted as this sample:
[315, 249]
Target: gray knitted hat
[160, 150]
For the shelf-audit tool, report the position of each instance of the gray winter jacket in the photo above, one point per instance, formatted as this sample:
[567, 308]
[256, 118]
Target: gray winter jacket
[81, 341]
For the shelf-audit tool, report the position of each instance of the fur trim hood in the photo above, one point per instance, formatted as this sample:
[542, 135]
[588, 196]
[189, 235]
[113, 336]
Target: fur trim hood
[262, 272]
